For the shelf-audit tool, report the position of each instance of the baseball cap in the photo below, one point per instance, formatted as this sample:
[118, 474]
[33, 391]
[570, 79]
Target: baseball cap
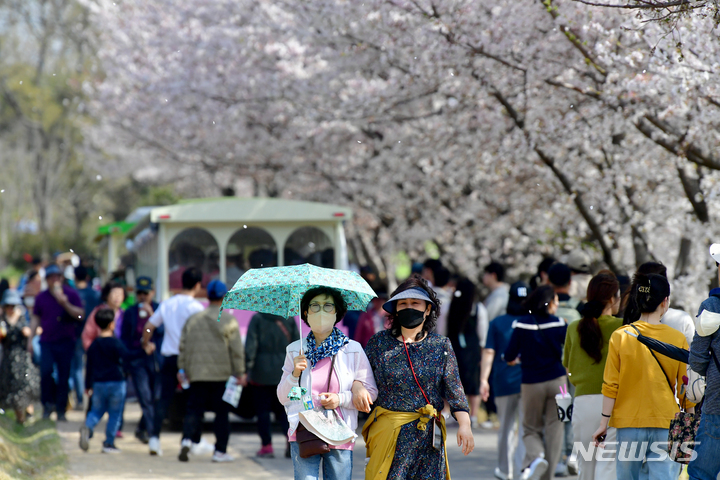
[52, 269]
[559, 274]
[519, 292]
[715, 251]
[579, 261]
[143, 284]
[216, 290]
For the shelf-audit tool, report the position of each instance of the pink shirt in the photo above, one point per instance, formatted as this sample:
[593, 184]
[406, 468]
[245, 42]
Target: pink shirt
[319, 376]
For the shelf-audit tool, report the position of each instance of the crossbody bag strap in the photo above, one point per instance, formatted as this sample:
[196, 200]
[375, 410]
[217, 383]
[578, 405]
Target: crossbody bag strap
[407, 352]
[672, 389]
[332, 364]
[284, 329]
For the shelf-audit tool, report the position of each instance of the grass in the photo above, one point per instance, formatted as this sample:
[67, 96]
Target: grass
[30, 452]
[12, 274]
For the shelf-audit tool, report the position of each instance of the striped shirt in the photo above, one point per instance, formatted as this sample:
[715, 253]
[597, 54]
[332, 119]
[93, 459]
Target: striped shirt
[538, 341]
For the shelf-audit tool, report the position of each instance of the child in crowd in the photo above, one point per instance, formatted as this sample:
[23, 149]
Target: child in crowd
[105, 381]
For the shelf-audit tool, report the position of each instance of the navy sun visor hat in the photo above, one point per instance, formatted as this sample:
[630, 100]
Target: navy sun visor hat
[415, 292]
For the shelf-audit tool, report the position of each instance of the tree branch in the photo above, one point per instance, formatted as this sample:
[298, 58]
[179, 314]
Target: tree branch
[574, 39]
[675, 145]
[642, 5]
[567, 184]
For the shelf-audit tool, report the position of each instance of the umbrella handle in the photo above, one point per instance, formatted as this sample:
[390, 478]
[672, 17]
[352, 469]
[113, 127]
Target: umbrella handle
[300, 325]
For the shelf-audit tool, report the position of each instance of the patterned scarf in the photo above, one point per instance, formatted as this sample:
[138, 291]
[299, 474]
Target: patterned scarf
[328, 348]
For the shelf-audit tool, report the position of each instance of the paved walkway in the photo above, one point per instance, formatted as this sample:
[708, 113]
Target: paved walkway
[134, 463]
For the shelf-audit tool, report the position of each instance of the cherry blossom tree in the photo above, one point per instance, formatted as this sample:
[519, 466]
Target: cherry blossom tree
[508, 130]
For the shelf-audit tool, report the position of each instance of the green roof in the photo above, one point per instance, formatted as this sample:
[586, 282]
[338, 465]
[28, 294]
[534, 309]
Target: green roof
[116, 227]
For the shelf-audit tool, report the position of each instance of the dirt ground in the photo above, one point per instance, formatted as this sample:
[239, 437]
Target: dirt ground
[135, 463]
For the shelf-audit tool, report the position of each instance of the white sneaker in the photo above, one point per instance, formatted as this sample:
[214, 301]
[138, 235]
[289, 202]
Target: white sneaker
[202, 448]
[572, 464]
[561, 469]
[106, 449]
[185, 447]
[219, 457]
[535, 470]
[500, 475]
[487, 425]
[154, 446]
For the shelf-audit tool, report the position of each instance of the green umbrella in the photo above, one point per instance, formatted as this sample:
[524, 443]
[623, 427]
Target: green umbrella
[278, 290]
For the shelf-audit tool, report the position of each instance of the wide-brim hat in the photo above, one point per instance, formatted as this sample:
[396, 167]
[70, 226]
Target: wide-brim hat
[415, 292]
[11, 297]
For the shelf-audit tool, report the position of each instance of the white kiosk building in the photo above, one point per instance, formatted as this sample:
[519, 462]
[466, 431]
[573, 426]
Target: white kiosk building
[226, 236]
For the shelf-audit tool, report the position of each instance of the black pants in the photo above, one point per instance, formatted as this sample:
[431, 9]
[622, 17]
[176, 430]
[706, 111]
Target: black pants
[58, 354]
[168, 383]
[142, 371]
[266, 401]
[204, 396]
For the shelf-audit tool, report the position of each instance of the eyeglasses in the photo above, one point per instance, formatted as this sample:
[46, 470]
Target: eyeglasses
[142, 292]
[327, 307]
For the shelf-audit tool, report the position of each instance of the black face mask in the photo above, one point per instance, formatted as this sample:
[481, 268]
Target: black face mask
[410, 318]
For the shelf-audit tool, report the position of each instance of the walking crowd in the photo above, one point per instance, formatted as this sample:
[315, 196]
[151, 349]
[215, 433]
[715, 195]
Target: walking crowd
[575, 370]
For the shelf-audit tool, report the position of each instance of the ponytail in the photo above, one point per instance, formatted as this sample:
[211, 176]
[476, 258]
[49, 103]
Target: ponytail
[601, 291]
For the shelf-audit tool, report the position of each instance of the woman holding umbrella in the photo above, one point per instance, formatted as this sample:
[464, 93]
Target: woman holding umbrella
[631, 371]
[416, 372]
[326, 367]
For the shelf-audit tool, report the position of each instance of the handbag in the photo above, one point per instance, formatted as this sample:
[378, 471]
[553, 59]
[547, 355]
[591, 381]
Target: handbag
[682, 428]
[309, 443]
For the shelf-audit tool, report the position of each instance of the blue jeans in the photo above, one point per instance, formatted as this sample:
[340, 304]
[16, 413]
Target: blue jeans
[107, 397]
[706, 464]
[337, 465]
[58, 353]
[36, 350]
[76, 371]
[636, 444]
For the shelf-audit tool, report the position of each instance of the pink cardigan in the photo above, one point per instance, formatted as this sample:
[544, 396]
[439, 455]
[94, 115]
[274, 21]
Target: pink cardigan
[91, 331]
[351, 364]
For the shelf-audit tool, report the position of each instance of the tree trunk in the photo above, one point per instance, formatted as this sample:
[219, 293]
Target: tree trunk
[642, 255]
[683, 259]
